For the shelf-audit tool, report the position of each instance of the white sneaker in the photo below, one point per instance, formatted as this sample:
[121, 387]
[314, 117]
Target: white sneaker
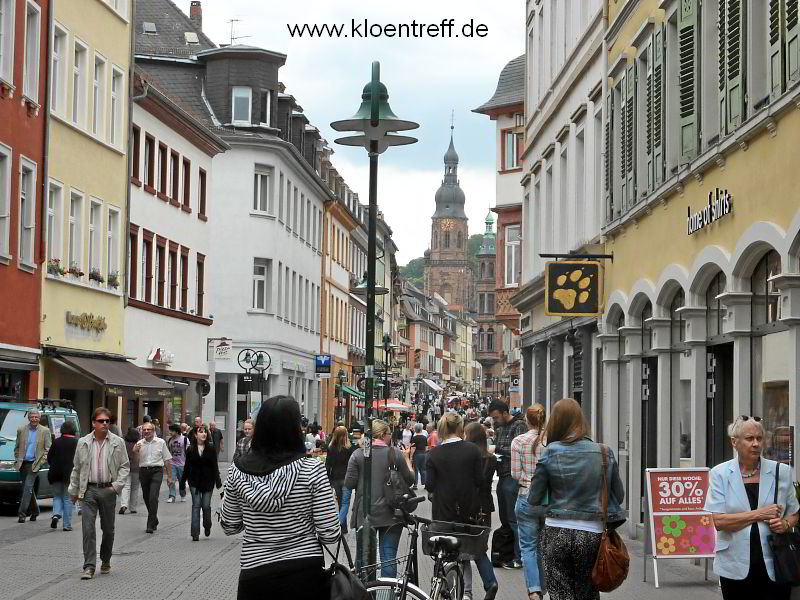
[183, 498]
[170, 500]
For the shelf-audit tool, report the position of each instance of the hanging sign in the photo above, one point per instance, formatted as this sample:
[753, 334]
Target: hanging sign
[573, 288]
[322, 366]
[720, 204]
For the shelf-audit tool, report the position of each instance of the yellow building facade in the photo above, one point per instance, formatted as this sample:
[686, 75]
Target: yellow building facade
[702, 216]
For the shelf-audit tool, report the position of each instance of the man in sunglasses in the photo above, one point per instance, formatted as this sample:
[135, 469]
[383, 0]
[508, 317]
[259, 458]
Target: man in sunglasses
[100, 469]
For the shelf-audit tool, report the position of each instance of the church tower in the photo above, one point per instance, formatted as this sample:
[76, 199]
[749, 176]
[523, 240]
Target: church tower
[447, 270]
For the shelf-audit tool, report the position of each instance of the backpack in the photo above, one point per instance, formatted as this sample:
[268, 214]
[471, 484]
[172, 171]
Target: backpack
[395, 487]
[502, 546]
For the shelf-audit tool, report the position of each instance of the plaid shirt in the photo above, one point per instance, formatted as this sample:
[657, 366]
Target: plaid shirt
[503, 435]
[242, 446]
[523, 459]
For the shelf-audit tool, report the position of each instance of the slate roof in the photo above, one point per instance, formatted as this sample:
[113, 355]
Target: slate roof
[171, 23]
[510, 87]
[181, 83]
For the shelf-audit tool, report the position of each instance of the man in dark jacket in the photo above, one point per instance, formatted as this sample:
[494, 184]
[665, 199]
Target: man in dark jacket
[59, 458]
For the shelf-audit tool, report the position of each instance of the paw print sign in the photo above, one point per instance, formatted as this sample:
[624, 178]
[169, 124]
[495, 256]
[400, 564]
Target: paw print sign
[573, 288]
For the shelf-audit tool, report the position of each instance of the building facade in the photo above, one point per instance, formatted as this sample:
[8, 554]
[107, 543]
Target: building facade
[23, 113]
[700, 165]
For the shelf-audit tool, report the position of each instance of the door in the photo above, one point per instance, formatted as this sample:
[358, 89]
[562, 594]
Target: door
[649, 418]
[719, 402]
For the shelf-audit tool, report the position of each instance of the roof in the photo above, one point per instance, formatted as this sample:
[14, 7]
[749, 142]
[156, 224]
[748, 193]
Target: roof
[171, 25]
[244, 51]
[510, 87]
[181, 83]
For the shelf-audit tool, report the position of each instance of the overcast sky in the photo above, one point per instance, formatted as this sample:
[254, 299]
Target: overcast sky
[426, 79]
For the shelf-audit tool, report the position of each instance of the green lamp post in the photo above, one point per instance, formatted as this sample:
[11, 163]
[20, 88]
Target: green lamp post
[375, 127]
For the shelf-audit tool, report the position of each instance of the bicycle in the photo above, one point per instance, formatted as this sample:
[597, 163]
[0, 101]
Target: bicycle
[447, 582]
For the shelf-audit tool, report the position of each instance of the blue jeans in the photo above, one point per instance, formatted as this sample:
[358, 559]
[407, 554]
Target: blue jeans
[344, 506]
[528, 525]
[507, 492]
[177, 473]
[62, 503]
[419, 467]
[27, 502]
[200, 500]
[388, 541]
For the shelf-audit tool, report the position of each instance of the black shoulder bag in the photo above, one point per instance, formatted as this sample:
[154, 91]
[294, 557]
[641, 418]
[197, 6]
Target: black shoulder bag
[395, 488]
[785, 548]
[345, 585]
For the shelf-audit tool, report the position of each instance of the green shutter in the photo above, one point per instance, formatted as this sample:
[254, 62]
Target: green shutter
[630, 131]
[792, 42]
[688, 76]
[658, 106]
[622, 203]
[721, 88]
[777, 68]
[649, 119]
[609, 158]
[735, 65]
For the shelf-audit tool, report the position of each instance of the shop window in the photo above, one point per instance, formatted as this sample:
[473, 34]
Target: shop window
[647, 332]
[677, 329]
[765, 306]
[714, 310]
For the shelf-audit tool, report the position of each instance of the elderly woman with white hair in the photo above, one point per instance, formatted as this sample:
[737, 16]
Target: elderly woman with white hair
[742, 500]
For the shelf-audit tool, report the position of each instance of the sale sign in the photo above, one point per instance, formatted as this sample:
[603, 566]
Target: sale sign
[679, 527]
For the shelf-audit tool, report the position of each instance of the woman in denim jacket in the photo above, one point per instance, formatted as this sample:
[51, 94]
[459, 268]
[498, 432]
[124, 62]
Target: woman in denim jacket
[571, 471]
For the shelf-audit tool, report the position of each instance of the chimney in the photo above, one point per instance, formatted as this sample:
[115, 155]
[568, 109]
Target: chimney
[196, 14]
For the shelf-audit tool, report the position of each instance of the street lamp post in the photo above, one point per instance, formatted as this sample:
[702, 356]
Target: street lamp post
[375, 126]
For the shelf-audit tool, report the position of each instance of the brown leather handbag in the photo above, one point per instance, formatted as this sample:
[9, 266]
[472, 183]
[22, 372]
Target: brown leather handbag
[612, 562]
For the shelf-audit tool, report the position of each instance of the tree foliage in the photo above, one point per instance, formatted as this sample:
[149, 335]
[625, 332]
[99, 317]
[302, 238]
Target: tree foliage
[414, 271]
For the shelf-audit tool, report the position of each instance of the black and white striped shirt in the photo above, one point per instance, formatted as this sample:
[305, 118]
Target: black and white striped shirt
[284, 515]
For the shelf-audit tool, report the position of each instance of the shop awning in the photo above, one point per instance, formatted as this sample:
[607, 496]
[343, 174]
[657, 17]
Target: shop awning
[13, 365]
[352, 391]
[121, 373]
[433, 385]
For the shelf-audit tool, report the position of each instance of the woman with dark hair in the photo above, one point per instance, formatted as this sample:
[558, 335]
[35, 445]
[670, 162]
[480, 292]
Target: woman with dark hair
[570, 469]
[476, 433]
[129, 499]
[202, 473]
[60, 457]
[283, 502]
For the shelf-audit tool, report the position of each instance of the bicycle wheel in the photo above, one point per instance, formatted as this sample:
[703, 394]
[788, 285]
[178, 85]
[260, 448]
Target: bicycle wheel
[392, 590]
[451, 584]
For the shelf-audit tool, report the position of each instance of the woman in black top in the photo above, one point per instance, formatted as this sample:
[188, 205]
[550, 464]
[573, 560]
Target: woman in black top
[455, 475]
[339, 452]
[60, 457]
[202, 473]
[476, 433]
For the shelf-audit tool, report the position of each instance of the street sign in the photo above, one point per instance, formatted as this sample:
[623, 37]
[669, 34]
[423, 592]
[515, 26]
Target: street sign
[322, 366]
[573, 288]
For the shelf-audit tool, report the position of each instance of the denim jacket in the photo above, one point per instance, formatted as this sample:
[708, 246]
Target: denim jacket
[572, 474]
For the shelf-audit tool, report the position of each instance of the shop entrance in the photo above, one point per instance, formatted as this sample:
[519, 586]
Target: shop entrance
[155, 408]
[649, 420]
[719, 402]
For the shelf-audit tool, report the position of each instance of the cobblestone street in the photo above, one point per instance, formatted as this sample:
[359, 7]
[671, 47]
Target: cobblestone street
[40, 563]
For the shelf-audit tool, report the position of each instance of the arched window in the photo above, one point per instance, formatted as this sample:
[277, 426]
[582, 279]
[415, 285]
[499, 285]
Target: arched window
[677, 330]
[714, 306]
[765, 299]
[446, 239]
[490, 340]
[435, 239]
[491, 270]
[481, 340]
[460, 239]
[647, 332]
[483, 270]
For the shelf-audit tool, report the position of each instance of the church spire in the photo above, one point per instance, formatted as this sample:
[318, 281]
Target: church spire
[450, 198]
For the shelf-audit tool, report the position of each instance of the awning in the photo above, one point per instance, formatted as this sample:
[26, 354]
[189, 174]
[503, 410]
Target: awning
[433, 385]
[13, 365]
[352, 391]
[120, 373]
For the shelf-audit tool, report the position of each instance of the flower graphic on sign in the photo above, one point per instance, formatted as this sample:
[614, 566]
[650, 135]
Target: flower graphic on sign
[666, 545]
[673, 525]
[706, 521]
[684, 543]
[692, 549]
[703, 539]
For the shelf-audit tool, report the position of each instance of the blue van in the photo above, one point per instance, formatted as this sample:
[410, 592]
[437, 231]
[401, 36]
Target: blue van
[12, 416]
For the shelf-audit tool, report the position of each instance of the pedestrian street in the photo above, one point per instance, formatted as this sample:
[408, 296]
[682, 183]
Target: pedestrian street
[40, 563]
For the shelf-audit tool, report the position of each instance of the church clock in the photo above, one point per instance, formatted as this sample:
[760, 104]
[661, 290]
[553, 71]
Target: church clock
[448, 224]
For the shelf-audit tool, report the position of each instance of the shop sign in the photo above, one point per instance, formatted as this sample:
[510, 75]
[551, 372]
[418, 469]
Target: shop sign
[720, 204]
[161, 356]
[87, 321]
[322, 366]
[573, 288]
[223, 351]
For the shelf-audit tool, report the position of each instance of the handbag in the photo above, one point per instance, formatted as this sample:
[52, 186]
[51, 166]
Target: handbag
[611, 565]
[396, 487]
[785, 549]
[344, 583]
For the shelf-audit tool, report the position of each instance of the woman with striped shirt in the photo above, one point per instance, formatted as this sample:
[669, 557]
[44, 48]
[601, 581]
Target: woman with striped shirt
[283, 502]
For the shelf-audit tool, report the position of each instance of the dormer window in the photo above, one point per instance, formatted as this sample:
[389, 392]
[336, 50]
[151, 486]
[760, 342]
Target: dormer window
[266, 105]
[149, 28]
[241, 105]
[191, 38]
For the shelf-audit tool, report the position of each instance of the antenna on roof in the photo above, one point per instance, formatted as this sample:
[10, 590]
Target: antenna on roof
[236, 37]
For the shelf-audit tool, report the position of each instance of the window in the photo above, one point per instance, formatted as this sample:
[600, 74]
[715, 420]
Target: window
[184, 279]
[55, 195]
[280, 197]
[27, 211]
[262, 284]
[75, 229]
[95, 232]
[175, 175]
[689, 78]
[512, 143]
[784, 49]
[7, 40]
[133, 245]
[280, 290]
[173, 275]
[714, 308]
[266, 99]
[187, 183]
[288, 204]
[302, 213]
[202, 194]
[262, 197]
[765, 301]
[30, 84]
[160, 270]
[117, 104]
[98, 96]
[147, 266]
[112, 245]
[733, 52]
[200, 277]
[79, 84]
[294, 212]
[241, 105]
[308, 220]
[162, 170]
[149, 162]
[5, 197]
[513, 255]
[58, 63]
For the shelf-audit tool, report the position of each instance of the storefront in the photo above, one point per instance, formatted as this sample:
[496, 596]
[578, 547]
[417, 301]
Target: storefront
[19, 368]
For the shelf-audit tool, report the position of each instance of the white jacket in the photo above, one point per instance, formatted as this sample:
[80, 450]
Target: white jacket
[116, 461]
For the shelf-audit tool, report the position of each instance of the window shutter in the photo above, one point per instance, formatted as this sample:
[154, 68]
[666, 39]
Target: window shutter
[792, 41]
[777, 68]
[623, 141]
[688, 77]
[630, 131]
[609, 159]
[658, 106]
[722, 99]
[649, 120]
[735, 53]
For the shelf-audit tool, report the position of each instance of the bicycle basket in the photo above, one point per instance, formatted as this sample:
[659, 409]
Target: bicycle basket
[474, 538]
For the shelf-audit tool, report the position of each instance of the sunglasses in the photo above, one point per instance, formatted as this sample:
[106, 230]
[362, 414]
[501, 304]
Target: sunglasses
[747, 418]
[102, 420]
